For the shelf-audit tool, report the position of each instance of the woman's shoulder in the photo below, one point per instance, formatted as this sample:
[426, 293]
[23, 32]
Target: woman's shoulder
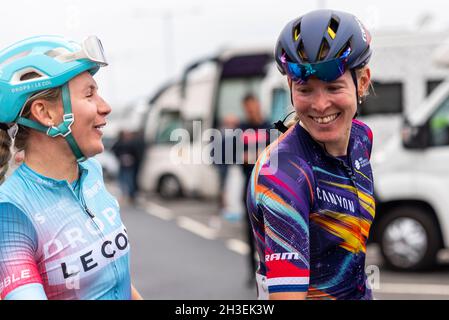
[362, 129]
[11, 210]
[288, 147]
[284, 158]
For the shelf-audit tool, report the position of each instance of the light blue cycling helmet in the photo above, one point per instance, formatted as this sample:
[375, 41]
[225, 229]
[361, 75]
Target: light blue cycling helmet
[56, 60]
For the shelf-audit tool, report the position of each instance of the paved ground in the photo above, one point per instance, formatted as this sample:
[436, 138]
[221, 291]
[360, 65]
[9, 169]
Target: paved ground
[169, 262]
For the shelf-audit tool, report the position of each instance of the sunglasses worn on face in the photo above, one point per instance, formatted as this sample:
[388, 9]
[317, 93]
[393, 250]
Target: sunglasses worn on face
[326, 71]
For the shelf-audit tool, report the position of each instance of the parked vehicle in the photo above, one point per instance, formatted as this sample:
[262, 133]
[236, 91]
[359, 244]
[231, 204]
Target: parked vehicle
[210, 89]
[412, 186]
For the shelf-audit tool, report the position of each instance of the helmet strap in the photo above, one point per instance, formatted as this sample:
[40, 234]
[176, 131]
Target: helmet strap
[359, 100]
[63, 129]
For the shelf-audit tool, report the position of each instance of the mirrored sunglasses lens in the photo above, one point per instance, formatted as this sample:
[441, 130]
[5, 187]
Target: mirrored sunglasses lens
[295, 71]
[325, 71]
[331, 70]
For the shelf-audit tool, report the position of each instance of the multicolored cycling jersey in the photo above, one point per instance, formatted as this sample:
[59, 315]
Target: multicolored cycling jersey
[311, 214]
[63, 246]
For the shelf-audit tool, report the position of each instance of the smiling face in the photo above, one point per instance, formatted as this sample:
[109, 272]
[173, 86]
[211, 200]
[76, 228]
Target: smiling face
[90, 111]
[326, 109]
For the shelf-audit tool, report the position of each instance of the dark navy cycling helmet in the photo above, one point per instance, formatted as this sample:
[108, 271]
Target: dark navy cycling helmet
[322, 43]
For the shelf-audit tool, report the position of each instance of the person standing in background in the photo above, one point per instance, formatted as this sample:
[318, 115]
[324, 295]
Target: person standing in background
[127, 152]
[255, 137]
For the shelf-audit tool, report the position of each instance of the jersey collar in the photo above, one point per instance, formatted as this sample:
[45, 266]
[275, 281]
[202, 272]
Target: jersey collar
[304, 135]
[40, 179]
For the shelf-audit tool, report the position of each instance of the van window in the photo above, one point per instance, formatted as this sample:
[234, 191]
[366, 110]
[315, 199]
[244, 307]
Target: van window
[241, 74]
[168, 121]
[230, 95]
[386, 99]
[439, 126]
[432, 84]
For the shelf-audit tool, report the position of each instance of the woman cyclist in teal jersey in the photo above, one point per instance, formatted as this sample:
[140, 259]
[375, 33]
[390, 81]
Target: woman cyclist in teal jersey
[61, 236]
[310, 196]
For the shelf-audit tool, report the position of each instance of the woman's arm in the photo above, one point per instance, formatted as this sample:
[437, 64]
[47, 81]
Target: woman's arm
[19, 273]
[32, 291]
[135, 295]
[288, 296]
[284, 196]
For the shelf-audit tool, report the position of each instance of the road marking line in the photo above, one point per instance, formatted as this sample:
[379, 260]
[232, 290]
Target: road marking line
[196, 227]
[413, 289]
[238, 246]
[159, 211]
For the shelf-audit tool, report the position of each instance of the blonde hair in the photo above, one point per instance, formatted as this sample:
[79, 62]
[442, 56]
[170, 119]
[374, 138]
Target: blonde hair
[5, 153]
[21, 138]
[292, 122]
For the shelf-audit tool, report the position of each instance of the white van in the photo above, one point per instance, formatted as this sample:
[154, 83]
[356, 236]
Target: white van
[210, 90]
[412, 185]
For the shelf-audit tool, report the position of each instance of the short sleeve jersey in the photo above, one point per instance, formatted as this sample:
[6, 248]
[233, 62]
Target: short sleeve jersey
[311, 214]
[74, 247]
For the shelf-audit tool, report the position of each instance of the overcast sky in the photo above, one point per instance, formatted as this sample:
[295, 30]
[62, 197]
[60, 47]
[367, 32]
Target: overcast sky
[149, 42]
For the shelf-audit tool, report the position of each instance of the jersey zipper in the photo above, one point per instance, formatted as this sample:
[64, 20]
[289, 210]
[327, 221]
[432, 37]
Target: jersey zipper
[350, 172]
[86, 209]
[81, 201]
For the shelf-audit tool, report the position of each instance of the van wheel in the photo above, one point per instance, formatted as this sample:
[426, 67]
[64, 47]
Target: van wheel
[169, 187]
[409, 239]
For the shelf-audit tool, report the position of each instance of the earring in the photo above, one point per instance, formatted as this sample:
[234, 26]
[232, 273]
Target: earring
[360, 100]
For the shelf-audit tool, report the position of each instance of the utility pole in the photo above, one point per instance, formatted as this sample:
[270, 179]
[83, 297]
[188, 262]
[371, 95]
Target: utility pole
[169, 41]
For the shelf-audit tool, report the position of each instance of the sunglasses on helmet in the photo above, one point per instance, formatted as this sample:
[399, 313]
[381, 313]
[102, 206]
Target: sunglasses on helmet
[91, 49]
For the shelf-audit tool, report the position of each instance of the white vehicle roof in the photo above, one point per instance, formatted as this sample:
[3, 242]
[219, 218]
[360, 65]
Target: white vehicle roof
[231, 52]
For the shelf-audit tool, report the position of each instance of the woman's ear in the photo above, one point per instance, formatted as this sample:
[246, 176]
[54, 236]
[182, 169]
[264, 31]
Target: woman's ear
[45, 112]
[364, 81]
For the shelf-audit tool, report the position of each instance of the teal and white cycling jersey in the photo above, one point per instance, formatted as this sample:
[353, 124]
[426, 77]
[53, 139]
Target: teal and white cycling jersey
[55, 244]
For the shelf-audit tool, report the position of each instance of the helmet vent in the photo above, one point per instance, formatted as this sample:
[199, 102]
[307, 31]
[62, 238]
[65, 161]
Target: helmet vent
[56, 52]
[26, 74]
[344, 49]
[333, 27]
[287, 57]
[297, 32]
[324, 50]
[14, 58]
[30, 75]
[302, 52]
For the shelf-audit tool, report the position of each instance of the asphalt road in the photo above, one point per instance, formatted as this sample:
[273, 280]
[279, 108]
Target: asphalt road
[184, 250]
[170, 262]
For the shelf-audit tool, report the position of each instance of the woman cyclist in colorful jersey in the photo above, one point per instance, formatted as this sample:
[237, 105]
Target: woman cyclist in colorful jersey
[311, 192]
[61, 236]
